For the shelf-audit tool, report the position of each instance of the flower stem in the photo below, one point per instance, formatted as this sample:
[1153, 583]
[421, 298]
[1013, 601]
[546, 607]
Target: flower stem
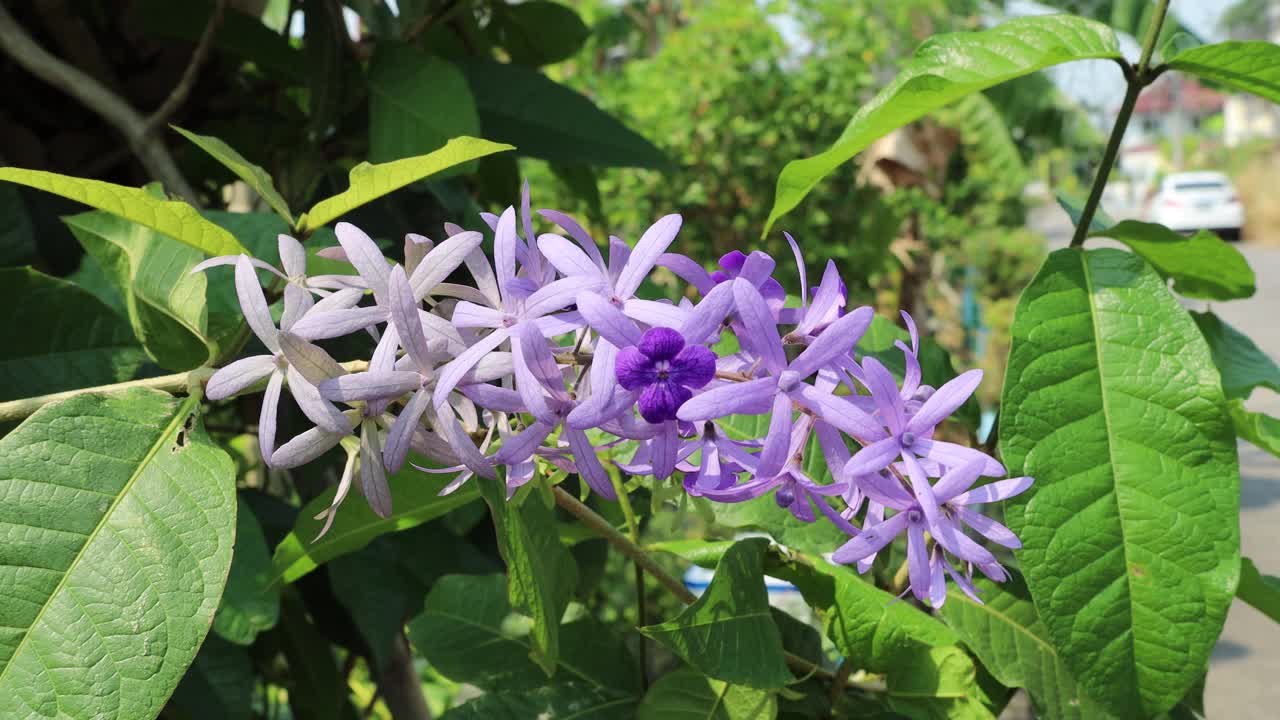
[622, 543]
[642, 615]
[1137, 80]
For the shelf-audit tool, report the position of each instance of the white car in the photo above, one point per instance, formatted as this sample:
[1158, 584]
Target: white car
[1192, 201]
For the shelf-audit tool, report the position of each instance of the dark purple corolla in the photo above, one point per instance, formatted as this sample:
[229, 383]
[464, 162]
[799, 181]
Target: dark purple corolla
[665, 370]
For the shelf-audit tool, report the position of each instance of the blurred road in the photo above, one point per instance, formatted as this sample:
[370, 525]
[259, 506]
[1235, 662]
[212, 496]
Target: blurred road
[1242, 677]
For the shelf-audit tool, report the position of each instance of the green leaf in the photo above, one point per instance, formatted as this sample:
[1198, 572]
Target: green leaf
[219, 684]
[317, 691]
[17, 235]
[1201, 266]
[946, 68]
[75, 341]
[468, 634]
[241, 35]
[115, 540]
[729, 633]
[1242, 364]
[417, 103]
[547, 120]
[1074, 208]
[687, 694]
[1251, 66]
[704, 553]
[253, 175]
[1260, 591]
[1008, 637]
[538, 32]
[938, 683]
[173, 218]
[562, 700]
[416, 500]
[166, 304]
[370, 182]
[541, 573]
[249, 604]
[1112, 404]
[1260, 429]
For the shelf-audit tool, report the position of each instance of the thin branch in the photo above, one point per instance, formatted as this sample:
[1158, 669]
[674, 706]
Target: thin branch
[188, 80]
[152, 153]
[425, 23]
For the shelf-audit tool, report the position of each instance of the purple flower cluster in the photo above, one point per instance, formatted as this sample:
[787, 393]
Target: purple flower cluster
[548, 355]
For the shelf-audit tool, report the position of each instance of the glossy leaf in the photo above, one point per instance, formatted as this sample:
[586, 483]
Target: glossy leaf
[166, 304]
[417, 103]
[547, 120]
[468, 634]
[1260, 591]
[219, 684]
[79, 343]
[249, 604]
[939, 682]
[729, 633]
[687, 694]
[370, 182]
[415, 500]
[541, 574]
[1008, 637]
[1251, 66]
[1242, 364]
[1112, 404]
[1258, 428]
[1201, 266]
[253, 175]
[1074, 207]
[561, 700]
[117, 517]
[946, 68]
[539, 32]
[172, 218]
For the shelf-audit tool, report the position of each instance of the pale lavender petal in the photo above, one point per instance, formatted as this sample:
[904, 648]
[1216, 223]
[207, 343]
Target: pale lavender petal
[704, 321]
[762, 337]
[452, 373]
[912, 331]
[990, 529]
[588, 464]
[800, 268]
[343, 299]
[537, 355]
[461, 292]
[943, 529]
[840, 412]
[688, 270]
[958, 479]
[504, 249]
[486, 280]
[652, 312]
[492, 397]
[222, 260]
[944, 402]
[399, 438]
[297, 301]
[441, 261]
[824, 300]
[884, 490]
[403, 307]
[937, 582]
[576, 232]
[749, 490]
[567, 258]
[870, 541]
[607, 320]
[494, 366]
[267, 417]
[993, 492]
[619, 254]
[304, 448]
[841, 336]
[918, 561]
[470, 315]
[373, 477]
[317, 409]
[365, 256]
[559, 324]
[527, 383]
[336, 323]
[237, 376]
[951, 455]
[416, 248]
[587, 416]
[653, 243]
[344, 486]
[292, 257]
[253, 304]
[777, 443]
[520, 446]
[489, 219]
[602, 379]
[448, 426]
[754, 397]
[756, 268]
[334, 252]
[911, 375]
[311, 361]
[370, 385]
[434, 447]
[962, 581]
[874, 457]
[557, 295]
[884, 392]
[834, 451]
[664, 448]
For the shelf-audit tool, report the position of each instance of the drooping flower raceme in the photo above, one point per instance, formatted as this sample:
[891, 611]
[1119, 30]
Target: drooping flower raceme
[547, 356]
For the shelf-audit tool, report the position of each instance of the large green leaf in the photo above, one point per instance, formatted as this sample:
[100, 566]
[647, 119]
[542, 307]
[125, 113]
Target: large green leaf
[729, 633]
[1258, 428]
[1242, 364]
[17, 235]
[547, 120]
[253, 175]
[1201, 266]
[946, 68]
[1251, 66]
[417, 103]
[74, 340]
[218, 686]
[541, 573]
[318, 691]
[562, 700]
[249, 604]
[538, 32]
[1006, 634]
[165, 303]
[467, 633]
[415, 497]
[370, 182]
[173, 218]
[687, 694]
[117, 516]
[1130, 534]
[1260, 591]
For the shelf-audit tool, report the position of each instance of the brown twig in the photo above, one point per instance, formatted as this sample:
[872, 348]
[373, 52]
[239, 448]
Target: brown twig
[182, 90]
